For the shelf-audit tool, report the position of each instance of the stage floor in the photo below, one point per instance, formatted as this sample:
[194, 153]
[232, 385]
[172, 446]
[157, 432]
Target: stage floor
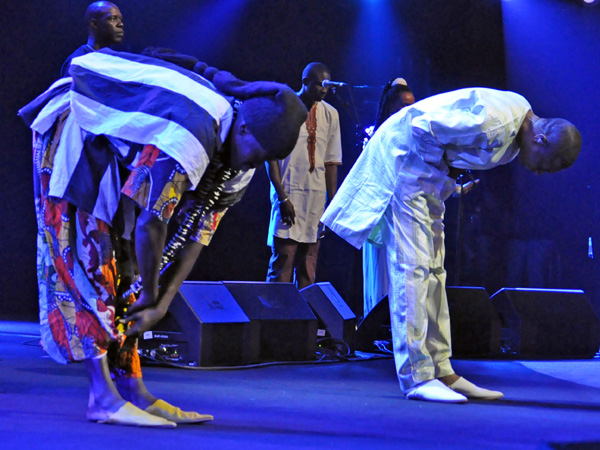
[354, 405]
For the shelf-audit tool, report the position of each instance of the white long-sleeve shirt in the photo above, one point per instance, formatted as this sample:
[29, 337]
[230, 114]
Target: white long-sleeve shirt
[473, 128]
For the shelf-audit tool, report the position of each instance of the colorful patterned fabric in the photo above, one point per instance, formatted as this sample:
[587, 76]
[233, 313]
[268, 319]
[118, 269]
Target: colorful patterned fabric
[157, 183]
[205, 230]
[77, 275]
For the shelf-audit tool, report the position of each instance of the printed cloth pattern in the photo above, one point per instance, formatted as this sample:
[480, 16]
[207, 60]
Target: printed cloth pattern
[157, 183]
[77, 275]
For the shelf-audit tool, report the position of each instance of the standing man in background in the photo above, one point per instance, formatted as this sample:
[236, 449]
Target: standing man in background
[302, 184]
[105, 28]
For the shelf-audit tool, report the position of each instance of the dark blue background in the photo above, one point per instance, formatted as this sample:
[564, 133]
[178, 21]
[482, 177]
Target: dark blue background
[546, 50]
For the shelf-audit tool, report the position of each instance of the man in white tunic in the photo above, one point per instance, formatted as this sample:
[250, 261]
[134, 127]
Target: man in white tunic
[400, 181]
[302, 183]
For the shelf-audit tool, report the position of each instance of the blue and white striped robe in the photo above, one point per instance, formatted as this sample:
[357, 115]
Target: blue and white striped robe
[128, 98]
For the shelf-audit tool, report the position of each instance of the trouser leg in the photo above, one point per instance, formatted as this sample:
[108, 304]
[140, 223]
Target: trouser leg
[418, 306]
[281, 264]
[438, 326]
[438, 337]
[96, 252]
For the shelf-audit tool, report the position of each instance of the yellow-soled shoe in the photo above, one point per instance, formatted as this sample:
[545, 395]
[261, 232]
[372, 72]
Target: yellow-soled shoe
[130, 415]
[172, 413]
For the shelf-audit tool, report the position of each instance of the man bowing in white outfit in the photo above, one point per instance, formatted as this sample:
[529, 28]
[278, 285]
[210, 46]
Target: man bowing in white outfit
[401, 181]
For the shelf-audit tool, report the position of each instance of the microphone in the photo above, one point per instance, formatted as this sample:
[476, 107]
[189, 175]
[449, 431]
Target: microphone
[334, 84]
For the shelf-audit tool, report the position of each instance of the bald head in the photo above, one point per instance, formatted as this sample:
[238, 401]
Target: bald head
[97, 9]
[563, 138]
[312, 83]
[314, 69]
[548, 145]
[105, 24]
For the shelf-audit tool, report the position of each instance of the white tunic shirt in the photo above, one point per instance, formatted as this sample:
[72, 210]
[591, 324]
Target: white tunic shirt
[473, 128]
[307, 190]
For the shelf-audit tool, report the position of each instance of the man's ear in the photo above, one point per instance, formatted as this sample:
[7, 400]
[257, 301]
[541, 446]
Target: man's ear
[240, 122]
[540, 138]
[244, 128]
[305, 81]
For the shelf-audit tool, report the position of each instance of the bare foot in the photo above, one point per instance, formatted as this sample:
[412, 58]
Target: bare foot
[134, 390]
[103, 406]
[449, 379]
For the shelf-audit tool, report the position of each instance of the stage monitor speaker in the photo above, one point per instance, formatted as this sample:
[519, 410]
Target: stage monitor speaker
[374, 327]
[280, 319]
[336, 319]
[547, 323]
[204, 326]
[587, 445]
[474, 323]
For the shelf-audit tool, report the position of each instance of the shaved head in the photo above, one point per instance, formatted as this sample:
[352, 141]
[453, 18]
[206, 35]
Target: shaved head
[97, 9]
[312, 83]
[549, 145]
[564, 140]
[314, 69]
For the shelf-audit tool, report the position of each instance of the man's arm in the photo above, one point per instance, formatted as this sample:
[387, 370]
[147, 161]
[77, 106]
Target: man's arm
[333, 158]
[331, 186]
[331, 180]
[474, 127]
[286, 208]
[333, 155]
[171, 281]
[150, 237]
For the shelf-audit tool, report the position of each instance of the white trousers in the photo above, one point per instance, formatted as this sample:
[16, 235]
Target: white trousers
[413, 232]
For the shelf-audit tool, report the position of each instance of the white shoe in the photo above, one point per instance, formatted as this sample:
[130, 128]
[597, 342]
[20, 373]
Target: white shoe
[470, 390]
[434, 391]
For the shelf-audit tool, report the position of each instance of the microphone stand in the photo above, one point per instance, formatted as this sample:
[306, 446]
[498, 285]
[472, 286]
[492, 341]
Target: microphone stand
[350, 107]
[458, 232]
[460, 179]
